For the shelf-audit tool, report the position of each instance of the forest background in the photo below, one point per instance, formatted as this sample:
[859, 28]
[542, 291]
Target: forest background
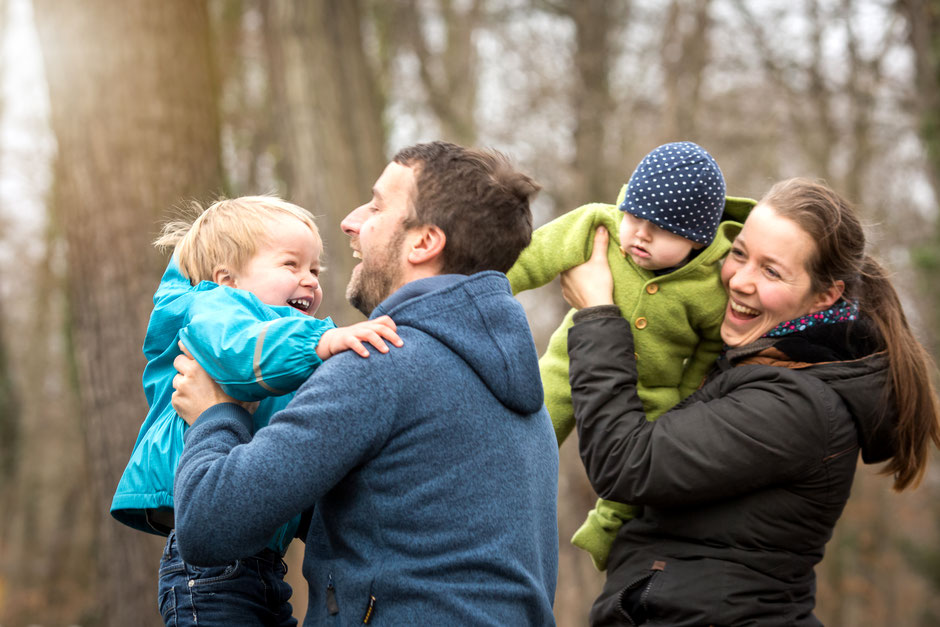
[116, 114]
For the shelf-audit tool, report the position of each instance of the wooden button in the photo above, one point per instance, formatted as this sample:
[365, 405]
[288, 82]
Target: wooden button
[641, 323]
[652, 288]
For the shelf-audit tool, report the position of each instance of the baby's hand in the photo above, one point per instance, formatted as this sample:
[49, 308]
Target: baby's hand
[353, 336]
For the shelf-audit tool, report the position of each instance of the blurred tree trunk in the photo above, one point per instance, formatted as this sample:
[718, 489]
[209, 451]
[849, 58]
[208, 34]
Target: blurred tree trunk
[449, 76]
[9, 419]
[597, 175]
[685, 55]
[923, 18]
[133, 109]
[330, 122]
[594, 21]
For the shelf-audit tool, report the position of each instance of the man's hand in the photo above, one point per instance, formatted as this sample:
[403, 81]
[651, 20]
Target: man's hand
[353, 336]
[195, 391]
[591, 283]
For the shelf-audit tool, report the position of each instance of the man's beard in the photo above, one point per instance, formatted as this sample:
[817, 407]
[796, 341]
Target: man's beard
[374, 279]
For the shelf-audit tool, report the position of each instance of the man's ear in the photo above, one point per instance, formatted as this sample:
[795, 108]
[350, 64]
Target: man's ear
[427, 244]
[224, 276]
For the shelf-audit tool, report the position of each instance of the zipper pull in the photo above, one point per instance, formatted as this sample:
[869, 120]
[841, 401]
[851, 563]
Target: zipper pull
[331, 605]
[369, 610]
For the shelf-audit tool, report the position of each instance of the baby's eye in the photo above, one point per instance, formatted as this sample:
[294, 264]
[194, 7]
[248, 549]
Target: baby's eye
[290, 263]
[737, 252]
[315, 271]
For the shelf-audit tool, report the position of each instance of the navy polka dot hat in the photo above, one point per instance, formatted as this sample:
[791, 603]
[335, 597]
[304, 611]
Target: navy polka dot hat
[679, 188]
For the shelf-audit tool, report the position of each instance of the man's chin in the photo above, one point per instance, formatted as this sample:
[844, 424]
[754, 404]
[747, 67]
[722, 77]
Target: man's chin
[356, 298]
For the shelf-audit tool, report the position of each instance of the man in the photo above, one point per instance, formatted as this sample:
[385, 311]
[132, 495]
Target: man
[433, 467]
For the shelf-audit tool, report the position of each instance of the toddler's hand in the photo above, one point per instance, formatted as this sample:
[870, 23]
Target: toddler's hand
[353, 336]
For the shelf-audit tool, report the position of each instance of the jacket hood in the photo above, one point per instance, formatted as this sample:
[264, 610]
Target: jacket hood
[862, 384]
[849, 357]
[478, 319]
[171, 304]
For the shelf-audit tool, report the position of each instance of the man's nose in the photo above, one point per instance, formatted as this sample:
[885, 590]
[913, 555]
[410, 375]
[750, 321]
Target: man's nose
[353, 221]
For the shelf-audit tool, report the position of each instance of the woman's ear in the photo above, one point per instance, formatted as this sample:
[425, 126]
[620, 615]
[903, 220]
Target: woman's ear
[826, 299]
[428, 244]
[224, 276]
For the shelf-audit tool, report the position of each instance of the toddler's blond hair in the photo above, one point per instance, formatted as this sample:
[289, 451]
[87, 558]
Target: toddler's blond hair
[226, 234]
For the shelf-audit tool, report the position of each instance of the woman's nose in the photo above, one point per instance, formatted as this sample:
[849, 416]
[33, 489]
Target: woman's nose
[741, 280]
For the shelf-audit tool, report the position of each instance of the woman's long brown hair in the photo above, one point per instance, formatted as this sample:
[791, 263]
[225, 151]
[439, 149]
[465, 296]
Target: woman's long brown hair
[840, 255]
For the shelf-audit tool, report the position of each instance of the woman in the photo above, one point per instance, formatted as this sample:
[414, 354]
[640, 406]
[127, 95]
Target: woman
[742, 483]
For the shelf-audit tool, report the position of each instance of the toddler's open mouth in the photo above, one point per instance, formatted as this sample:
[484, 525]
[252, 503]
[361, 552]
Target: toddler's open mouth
[303, 304]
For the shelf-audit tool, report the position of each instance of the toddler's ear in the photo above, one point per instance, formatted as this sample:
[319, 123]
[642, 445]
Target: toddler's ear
[223, 276]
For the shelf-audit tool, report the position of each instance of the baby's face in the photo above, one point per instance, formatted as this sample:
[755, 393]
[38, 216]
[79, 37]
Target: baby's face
[650, 246]
[286, 267]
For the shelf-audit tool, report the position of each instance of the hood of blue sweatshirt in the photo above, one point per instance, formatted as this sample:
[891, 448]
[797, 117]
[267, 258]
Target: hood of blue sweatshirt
[477, 318]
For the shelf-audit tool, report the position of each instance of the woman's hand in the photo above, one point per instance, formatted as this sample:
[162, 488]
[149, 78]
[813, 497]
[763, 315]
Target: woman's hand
[591, 283]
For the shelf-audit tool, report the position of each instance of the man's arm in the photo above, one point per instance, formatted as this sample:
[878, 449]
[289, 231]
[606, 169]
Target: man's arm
[232, 490]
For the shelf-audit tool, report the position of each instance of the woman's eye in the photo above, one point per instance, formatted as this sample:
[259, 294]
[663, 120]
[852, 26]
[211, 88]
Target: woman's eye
[772, 273]
[737, 252]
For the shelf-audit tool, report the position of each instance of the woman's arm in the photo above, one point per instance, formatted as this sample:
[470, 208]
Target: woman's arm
[756, 425]
[763, 426]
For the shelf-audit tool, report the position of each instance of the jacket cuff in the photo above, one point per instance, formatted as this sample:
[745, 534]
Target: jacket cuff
[223, 411]
[600, 311]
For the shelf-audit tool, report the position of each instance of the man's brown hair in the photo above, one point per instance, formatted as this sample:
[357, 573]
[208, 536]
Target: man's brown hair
[477, 198]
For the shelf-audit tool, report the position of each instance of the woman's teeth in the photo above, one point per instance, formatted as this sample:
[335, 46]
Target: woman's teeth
[741, 309]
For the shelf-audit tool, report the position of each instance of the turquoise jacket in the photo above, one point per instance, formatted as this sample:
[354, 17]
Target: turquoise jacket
[255, 351]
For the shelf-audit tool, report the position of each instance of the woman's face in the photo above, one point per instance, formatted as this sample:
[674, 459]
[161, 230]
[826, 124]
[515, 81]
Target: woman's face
[766, 278]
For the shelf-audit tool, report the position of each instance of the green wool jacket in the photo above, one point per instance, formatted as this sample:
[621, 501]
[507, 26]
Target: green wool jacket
[675, 317]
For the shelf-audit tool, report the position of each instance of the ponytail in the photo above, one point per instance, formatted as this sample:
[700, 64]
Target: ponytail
[912, 390]
[831, 221]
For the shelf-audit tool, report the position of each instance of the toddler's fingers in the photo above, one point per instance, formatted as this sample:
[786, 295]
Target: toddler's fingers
[390, 335]
[358, 347]
[375, 339]
[387, 321]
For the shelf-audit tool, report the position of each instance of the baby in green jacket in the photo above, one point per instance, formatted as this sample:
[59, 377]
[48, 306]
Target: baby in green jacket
[667, 242]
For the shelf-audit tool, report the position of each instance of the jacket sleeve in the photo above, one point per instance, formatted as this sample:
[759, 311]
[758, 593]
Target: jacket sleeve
[702, 358]
[233, 490]
[752, 432]
[253, 350]
[559, 245]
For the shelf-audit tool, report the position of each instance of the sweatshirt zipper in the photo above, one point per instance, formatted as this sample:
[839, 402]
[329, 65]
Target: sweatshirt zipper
[331, 605]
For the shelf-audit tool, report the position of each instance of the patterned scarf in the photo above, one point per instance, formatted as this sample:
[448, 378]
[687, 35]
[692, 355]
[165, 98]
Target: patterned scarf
[842, 311]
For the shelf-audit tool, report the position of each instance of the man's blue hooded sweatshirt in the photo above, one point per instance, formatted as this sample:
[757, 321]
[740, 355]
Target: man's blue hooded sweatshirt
[433, 469]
